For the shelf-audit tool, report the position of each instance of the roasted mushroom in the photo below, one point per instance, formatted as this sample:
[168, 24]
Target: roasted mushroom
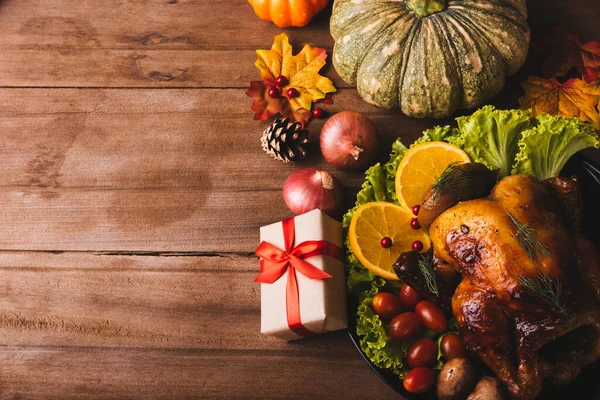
[489, 388]
[456, 380]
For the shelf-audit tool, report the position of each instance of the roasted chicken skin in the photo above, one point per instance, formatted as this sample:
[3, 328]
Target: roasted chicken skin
[503, 320]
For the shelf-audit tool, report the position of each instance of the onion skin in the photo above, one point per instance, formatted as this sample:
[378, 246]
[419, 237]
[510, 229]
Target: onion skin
[310, 188]
[349, 141]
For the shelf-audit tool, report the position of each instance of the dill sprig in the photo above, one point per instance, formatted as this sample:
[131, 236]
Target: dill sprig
[546, 289]
[450, 180]
[429, 275]
[533, 248]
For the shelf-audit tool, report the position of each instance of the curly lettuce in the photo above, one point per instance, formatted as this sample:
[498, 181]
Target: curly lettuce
[490, 136]
[545, 148]
[373, 189]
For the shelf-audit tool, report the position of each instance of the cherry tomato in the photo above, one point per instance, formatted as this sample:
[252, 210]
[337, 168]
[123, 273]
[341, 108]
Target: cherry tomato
[453, 347]
[422, 353]
[431, 316]
[386, 305]
[419, 380]
[409, 296]
[404, 326]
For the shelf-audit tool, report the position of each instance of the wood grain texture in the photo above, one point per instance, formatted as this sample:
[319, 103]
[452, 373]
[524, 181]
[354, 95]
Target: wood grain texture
[86, 373]
[164, 43]
[143, 301]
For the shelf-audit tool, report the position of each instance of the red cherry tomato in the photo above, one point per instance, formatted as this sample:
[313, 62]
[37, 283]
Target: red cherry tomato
[409, 296]
[431, 316]
[422, 353]
[419, 380]
[386, 305]
[453, 347]
[404, 326]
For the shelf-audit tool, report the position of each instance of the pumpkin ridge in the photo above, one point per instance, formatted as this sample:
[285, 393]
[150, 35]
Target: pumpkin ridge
[479, 17]
[391, 26]
[447, 37]
[359, 25]
[405, 57]
[483, 83]
[483, 35]
[449, 62]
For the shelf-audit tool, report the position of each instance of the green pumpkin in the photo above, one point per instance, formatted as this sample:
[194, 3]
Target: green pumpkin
[428, 57]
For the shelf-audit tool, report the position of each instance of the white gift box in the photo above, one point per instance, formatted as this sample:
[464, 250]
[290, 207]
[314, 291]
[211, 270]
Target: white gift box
[322, 301]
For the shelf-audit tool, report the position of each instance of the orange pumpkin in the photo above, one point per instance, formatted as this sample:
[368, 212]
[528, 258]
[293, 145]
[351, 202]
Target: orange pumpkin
[286, 13]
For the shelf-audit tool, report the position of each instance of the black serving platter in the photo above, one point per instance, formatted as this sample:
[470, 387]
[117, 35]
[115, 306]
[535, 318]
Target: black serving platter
[587, 385]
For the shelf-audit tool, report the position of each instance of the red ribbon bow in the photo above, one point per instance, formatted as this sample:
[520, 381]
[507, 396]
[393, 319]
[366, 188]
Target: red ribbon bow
[275, 262]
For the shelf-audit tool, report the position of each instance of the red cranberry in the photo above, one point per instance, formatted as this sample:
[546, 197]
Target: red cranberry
[281, 81]
[386, 242]
[416, 209]
[417, 245]
[273, 92]
[414, 223]
[292, 92]
[318, 112]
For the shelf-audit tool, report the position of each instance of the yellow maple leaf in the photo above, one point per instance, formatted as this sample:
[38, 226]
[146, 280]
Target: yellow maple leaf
[573, 98]
[301, 70]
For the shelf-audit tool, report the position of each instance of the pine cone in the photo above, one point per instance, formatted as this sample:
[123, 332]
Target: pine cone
[283, 140]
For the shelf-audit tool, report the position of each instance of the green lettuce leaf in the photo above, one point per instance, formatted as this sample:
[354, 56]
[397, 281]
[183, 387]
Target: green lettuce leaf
[373, 189]
[491, 136]
[545, 149]
[398, 152]
[438, 134]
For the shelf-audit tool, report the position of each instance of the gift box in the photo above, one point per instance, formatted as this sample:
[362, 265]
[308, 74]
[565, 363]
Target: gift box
[303, 290]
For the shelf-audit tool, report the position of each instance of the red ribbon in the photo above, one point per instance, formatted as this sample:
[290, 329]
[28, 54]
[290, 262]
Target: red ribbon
[275, 262]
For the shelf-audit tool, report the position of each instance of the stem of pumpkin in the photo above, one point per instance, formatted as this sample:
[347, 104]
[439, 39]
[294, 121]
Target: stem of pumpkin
[424, 8]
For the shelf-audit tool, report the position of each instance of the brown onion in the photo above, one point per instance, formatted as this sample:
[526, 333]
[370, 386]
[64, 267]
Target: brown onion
[310, 188]
[349, 141]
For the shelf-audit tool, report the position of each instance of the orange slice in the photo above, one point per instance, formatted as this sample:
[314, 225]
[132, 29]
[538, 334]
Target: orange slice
[376, 220]
[420, 168]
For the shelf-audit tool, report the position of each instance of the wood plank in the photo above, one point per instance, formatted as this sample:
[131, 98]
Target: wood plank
[73, 138]
[149, 301]
[58, 373]
[151, 170]
[172, 43]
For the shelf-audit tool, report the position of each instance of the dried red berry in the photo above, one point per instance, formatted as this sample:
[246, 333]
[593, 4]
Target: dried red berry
[273, 92]
[386, 242]
[417, 245]
[292, 92]
[416, 209]
[414, 223]
[318, 112]
[281, 81]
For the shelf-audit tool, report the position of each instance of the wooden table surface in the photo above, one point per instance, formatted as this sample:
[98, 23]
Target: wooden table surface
[132, 187]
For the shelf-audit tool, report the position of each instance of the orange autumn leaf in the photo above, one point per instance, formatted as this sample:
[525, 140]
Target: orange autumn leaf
[564, 50]
[573, 98]
[265, 106]
[301, 70]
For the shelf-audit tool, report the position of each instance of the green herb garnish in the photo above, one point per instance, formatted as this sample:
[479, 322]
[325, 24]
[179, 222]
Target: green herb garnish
[429, 275]
[451, 180]
[547, 289]
[533, 248]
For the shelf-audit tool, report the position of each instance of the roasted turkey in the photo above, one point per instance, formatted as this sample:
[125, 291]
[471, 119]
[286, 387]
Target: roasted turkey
[521, 280]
